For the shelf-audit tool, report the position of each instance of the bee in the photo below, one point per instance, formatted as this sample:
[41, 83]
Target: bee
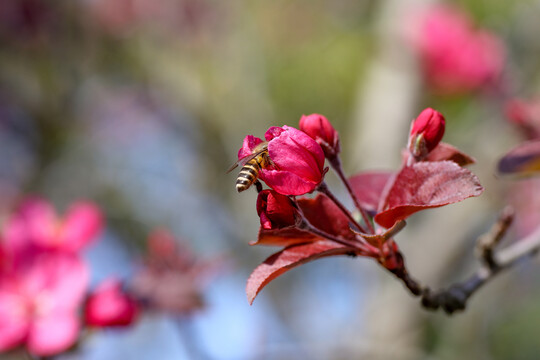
[251, 166]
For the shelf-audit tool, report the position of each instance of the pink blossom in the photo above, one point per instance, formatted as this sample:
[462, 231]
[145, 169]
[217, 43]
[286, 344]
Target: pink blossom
[109, 305]
[456, 57]
[39, 301]
[297, 161]
[321, 130]
[37, 225]
[248, 146]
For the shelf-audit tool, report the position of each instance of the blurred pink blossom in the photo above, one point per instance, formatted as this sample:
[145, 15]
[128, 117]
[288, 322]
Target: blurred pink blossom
[172, 278]
[109, 306]
[455, 56]
[38, 303]
[36, 225]
[43, 278]
[526, 115]
[121, 17]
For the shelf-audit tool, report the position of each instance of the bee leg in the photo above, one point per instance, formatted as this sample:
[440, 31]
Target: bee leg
[258, 185]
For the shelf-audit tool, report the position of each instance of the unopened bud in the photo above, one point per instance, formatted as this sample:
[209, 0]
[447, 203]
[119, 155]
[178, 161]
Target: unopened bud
[276, 211]
[427, 131]
[319, 128]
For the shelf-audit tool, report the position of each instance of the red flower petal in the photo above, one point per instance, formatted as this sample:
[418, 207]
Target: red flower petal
[14, 324]
[53, 334]
[275, 210]
[298, 159]
[250, 142]
[82, 225]
[110, 306]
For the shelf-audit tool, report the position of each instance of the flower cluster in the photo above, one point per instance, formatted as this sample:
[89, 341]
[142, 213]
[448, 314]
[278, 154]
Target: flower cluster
[43, 278]
[45, 300]
[308, 228]
[455, 57]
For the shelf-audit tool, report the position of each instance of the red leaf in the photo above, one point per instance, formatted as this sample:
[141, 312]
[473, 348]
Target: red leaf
[322, 213]
[283, 237]
[427, 185]
[524, 159]
[445, 151]
[287, 259]
[368, 188]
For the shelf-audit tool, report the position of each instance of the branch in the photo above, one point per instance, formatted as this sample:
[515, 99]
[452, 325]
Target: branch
[456, 296]
[335, 162]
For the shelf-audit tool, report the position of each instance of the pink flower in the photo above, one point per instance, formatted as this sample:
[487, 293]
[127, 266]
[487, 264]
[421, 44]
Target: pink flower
[427, 131]
[297, 161]
[319, 128]
[109, 305]
[276, 211]
[456, 57]
[36, 224]
[39, 301]
[248, 146]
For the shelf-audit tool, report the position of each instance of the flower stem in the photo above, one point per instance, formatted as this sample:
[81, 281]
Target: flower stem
[360, 247]
[323, 188]
[336, 165]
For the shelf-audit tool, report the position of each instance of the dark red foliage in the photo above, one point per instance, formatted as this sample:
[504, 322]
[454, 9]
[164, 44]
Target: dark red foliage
[524, 159]
[287, 259]
[369, 186]
[431, 176]
[283, 237]
[427, 185]
[445, 151]
[322, 213]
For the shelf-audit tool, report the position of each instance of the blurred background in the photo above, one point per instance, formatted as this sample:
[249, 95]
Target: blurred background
[142, 105]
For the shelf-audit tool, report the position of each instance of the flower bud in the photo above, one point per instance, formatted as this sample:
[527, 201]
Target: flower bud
[297, 161]
[319, 128]
[427, 131]
[108, 306]
[276, 211]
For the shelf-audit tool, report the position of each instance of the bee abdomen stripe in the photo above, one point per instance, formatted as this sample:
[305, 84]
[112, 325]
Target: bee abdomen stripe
[249, 166]
[248, 172]
[243, 181]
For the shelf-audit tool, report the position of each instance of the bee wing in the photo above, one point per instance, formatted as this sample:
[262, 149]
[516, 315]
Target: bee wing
[233, 166]
[243, 160]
